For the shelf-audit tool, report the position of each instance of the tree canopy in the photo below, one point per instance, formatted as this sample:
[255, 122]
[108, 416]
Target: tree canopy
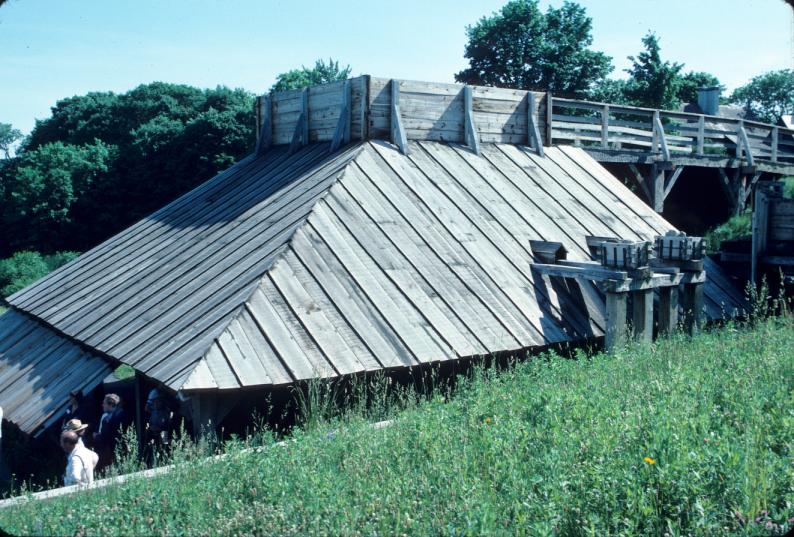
[103, 160]
[522, 47]
[654, 83]
[768, 96]
[691, 82]
[321, 73]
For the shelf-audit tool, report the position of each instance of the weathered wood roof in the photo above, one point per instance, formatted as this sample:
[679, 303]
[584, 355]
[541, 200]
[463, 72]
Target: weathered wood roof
[287, 267]
[38, 369]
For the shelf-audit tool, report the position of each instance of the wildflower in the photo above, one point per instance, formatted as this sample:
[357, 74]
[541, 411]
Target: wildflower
[649, 460]
[487, 421]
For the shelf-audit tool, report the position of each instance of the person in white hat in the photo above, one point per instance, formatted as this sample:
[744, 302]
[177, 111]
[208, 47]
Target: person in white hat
[80, 461]
[78, 427]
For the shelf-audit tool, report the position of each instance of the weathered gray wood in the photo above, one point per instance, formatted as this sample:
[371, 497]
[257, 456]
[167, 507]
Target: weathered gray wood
[471, 136]
[671, 181]
[586, 273]
[639, 179]
[660, 137]
[743, 144]
[692, 304]
[342, 132]
[398, 134]
[616, 309]
[642, 314]
[535, 140]
[701, 134]
[549, 99]
[668, 310]
[760, 228]
[605, 126]
[265, 137]
[775, 137]
[656, 179]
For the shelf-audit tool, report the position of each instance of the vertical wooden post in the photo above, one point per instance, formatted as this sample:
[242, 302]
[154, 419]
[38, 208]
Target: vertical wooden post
[138, 413]
[740, 182]
[693, 307]
[775, 134]
[642, 314]
[203, 413]
[668, 309]
[362, 112]
[760, 229]
[605, 126]
[654, 133]
[305, 116]
[701, 134]
[398, 136]
[265, 114]
[549, 118]
[470, 136]
[347, 110]
[657, 188]
[615, 320]
[533, 132]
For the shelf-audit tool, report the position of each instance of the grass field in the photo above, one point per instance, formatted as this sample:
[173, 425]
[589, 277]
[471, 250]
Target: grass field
[685, 437]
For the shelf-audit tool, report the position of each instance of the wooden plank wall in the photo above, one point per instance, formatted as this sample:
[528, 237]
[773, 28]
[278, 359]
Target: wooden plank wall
[429, 111]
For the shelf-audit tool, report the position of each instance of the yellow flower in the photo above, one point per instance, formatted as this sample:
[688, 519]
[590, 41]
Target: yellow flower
[649, 460]
[487, 421]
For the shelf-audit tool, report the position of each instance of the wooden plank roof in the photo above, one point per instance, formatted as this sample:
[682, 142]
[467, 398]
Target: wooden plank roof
[292, 266]
[38, 369]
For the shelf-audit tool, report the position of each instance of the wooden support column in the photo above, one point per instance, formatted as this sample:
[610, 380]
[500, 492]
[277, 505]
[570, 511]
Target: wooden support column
[265, 114]
[364, 106]
[740, 185]
[616, 320]
[301, 135]
[760, 230]
[533, 133]
[342, 132]
[640, 180]
[642, 314]
[656, 181]
[138, 412]
[398, 136]
[775, 135]
[701, 135]
[549, 122]
[470, 135]
[605, 126]
[668, 310]
[203, 413]
[693, 307]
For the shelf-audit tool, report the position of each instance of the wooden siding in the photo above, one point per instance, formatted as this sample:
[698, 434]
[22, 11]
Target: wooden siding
[429, 111]
[293, 266]
[38, 369]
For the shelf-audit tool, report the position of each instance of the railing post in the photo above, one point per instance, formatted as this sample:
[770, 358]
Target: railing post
[701, 134]
[739, 144]
[605, 126]
[549, 115]
[775, 133]
[655, 134]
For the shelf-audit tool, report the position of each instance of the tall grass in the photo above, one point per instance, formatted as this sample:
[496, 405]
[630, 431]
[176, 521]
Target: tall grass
[688, 436]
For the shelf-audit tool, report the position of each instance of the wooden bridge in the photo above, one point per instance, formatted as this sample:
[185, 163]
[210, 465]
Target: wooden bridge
[656, 144]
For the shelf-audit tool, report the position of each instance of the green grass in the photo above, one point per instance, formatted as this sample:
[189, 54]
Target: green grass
[685, 437]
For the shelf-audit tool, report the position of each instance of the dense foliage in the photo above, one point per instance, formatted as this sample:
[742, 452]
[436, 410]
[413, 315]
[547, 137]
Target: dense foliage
[768, 96]
[522, 47]
[24, 268]
[101, 161]
[685, 437]
[321, 73]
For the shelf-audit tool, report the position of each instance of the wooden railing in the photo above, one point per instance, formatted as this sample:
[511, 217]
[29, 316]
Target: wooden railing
[402, 110]
[667, 133]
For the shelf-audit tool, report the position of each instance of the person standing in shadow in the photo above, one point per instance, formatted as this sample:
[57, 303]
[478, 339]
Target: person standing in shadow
[109, 429]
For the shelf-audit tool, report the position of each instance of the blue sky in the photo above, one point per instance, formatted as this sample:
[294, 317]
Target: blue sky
[56, 49]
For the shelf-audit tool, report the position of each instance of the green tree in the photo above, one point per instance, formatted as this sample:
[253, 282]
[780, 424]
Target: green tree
[768, 96]
[691, 82]
[609, 91]
[8, 137]
[654, 83]
[162, 140]
[522, 47]
[40, 189]
[321, 73]
[24, 268]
